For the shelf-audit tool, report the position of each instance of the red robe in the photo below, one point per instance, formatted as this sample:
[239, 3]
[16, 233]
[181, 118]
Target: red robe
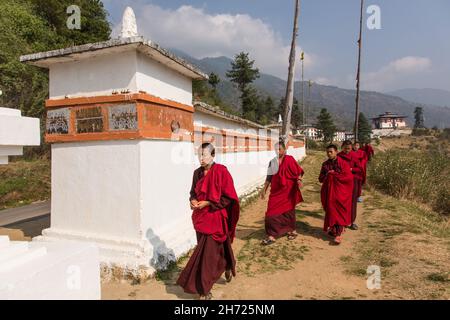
[369, 151]
[353, 161]
[284, 196]
[215, 226]
[336, 193]
[284, 191]
[362, 157]
[221, 223]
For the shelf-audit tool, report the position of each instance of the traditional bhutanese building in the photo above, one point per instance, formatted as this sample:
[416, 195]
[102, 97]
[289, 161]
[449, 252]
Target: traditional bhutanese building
[389, 120]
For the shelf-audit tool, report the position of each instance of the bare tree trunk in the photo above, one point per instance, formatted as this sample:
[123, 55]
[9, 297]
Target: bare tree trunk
[290, 82]
[358, 74]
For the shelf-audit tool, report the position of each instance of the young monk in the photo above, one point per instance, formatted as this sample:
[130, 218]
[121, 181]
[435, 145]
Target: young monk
[284, 177]
[361, 156]
[368, 149]
[215, 206]
[336, 193]
[349, 156]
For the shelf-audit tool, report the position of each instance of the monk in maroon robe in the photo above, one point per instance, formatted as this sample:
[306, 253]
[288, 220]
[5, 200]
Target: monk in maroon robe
[336, 194]
[362, 157]
[215, 206]
[368, 149]
[284, 177]
[349, 156]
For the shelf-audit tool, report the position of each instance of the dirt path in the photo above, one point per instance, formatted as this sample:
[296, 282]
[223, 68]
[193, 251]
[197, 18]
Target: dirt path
[309, 267]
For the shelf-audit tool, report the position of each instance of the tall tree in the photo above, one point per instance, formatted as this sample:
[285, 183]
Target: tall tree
[214, 80]
[243, 73]
[364, 129]
[268, 112]
[94, 23]
[326, 125]
[418, 117]
[288, 101]
[29, 26]
[296, 113]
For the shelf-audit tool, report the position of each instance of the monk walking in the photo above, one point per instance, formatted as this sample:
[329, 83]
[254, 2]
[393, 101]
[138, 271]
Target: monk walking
[215, 206]
[284, 177]
[368, 149]
[336, 194]
[362, 158]
[350, 157]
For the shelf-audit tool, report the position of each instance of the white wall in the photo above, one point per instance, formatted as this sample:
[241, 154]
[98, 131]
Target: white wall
[158, 80]
[208, 120]
[15, 132]
[165, 181]
[100, 75]
[96, 76]
[95, 184]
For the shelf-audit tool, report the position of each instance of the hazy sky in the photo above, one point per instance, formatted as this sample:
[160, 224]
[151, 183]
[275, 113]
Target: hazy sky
[411, 50]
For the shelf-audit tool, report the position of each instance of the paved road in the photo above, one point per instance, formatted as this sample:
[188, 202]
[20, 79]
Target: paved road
[35, 210]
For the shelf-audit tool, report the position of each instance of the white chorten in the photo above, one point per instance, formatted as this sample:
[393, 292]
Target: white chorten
[129, 26]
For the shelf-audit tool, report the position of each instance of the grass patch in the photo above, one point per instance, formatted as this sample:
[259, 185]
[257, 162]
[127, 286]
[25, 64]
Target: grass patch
[23, 182]
[439, 277]
[254, 258]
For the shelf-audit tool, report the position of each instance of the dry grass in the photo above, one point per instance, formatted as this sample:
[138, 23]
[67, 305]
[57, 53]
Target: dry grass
[415, 175]
[409, 243]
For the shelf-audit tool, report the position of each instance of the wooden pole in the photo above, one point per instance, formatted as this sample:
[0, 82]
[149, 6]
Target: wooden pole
[358, 74]
[289, 98]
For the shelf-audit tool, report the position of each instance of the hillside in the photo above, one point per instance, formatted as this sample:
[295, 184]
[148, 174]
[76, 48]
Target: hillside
[429, 96]
[340, 102]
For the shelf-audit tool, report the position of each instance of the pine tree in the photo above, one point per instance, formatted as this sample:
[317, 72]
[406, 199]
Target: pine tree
[243, 73]
[364, 129]
[214, 80]
[418, 117]
[326, 125]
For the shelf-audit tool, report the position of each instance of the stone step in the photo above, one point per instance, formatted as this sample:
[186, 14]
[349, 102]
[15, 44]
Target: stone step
[22, 258]
[14, 249]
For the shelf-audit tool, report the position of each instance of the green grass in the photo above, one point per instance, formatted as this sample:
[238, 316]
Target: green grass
[23, 182]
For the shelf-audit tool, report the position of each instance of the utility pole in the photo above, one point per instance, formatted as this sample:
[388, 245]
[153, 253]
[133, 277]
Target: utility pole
[289, 98]
[358, 73]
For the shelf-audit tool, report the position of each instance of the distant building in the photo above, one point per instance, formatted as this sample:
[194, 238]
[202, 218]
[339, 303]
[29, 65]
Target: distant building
[389, 120]
[312, 133]
[339, 136]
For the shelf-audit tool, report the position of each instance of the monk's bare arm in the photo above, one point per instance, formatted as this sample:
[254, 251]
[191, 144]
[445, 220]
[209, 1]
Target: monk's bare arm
[264, 189]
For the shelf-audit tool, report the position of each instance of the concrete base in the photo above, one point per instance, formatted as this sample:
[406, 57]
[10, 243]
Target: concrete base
[41, 270]
[132, 259]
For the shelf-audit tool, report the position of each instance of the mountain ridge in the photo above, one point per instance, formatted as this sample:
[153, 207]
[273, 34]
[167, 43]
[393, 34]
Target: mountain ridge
[339, 102]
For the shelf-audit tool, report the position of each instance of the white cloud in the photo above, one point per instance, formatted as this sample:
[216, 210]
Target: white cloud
[395, 74]
[201, 34]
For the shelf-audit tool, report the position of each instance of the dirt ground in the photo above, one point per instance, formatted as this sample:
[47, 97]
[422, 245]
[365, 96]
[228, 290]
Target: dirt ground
[410, 245]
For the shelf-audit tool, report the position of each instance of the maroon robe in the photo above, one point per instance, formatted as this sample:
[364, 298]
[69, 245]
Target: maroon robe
[362, 157]
[336, 195]
[215, 226]
[368, 149]
[352, 160]
[284, 196]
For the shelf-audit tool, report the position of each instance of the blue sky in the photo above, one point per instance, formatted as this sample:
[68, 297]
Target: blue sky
[410, 50]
